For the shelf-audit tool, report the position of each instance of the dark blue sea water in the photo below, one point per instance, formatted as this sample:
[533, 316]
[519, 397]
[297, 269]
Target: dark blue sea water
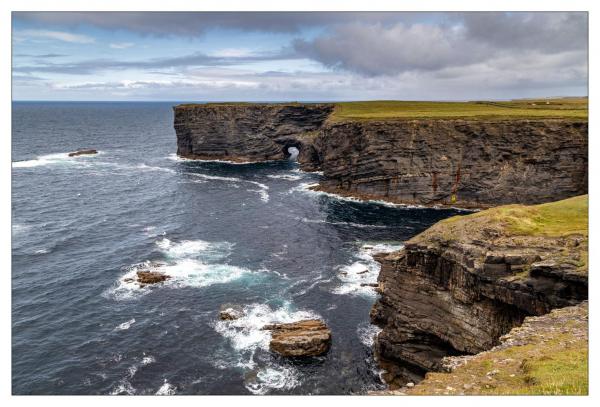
[247, 234]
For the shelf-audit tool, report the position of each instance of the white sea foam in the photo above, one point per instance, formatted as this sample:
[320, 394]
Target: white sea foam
[167, 389]
[353, 224]
[124, 387]
[367, 333]
[175, 157]
[246, 337]
[48, 159]
[148, 360]
[154, 168]
[125, 325]
[273, 377]
[262, 190]
[286, 177]
[363, 271]
[189, 263]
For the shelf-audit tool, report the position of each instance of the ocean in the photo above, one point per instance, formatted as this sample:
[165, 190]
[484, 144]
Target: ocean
[247, 234]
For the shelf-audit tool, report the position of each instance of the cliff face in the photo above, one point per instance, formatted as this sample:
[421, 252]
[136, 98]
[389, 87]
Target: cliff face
[459, 286]
[247, 132]
[467, 163]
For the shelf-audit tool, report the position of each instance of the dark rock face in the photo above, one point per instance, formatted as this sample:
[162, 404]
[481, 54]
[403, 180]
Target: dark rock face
[466, 163]
[444, 298]
[252, 132]
[471, 163]
[82, 152]
[302, 338]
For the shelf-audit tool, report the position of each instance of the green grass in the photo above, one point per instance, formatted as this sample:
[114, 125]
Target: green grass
[554, 219]
[564, 108]
[570, 108]
[524, 225]
[558, 366]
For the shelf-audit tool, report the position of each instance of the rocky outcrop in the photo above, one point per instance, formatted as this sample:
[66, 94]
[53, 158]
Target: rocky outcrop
[230, 312]
[145, 278]
[458, 287]
[248, 132]
[303, 338]
[82, 152]
[460, 162]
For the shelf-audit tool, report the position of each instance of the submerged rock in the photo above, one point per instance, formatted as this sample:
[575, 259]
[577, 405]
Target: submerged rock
[229, 312]
[83, 152]
[150, 277]
[303, 338]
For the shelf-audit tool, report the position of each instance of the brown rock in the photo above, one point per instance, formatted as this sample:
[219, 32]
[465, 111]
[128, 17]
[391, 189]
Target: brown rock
[82, 152]
[303, 338]
[229, 312]
[150, 277]
[369, 284]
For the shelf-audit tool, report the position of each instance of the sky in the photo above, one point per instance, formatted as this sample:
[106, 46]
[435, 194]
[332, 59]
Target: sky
[274, 56]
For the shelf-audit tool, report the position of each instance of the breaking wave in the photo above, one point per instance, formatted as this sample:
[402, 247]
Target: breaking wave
[359, 277]
[247, 338]
[189, 263]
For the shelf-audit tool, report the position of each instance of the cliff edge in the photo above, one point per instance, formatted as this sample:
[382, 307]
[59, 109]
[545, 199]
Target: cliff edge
[457, 154]
[456, 288]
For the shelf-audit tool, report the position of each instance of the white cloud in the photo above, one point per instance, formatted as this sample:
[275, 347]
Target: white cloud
[121, 45]
[56, 35]
[232, 53]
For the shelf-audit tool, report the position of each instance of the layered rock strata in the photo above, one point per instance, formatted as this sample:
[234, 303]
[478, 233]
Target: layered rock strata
[248, 132]
[458, 287]
[461, 162]
[303, 338]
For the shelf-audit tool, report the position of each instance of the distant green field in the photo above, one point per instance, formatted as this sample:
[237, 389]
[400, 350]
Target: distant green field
[571, 108]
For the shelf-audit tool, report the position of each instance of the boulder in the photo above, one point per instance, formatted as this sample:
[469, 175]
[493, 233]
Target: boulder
[229, 312]
[369, 284]
[303, 338]
[150, 277]
[82, 152]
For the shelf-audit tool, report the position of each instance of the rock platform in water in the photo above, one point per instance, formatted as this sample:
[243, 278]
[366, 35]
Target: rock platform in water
[303, 338]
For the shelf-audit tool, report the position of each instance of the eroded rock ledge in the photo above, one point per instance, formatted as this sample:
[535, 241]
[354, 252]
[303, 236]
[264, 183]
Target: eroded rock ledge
[461, 162]
[459, 286]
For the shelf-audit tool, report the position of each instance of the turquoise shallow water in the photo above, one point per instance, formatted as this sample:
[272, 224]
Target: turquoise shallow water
[247, 234]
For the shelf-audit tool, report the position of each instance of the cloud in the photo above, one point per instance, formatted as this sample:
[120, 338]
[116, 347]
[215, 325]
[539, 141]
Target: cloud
[195, 59]
[121, 45]
[40, 55]
[55, 35]
[196, 23]
[378, 49]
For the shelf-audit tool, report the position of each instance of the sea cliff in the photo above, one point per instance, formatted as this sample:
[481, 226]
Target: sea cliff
[456, 288]
[473, 162]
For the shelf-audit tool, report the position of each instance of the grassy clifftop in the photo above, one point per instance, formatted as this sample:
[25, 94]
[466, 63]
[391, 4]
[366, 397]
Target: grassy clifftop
[567, 108]
[561, 227]
[547, 355]
[563, 108]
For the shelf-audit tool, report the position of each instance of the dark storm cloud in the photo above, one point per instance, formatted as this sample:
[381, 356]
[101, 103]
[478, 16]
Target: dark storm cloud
[549, 32]
[195, 59]
[377, 49]
[196, 23]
